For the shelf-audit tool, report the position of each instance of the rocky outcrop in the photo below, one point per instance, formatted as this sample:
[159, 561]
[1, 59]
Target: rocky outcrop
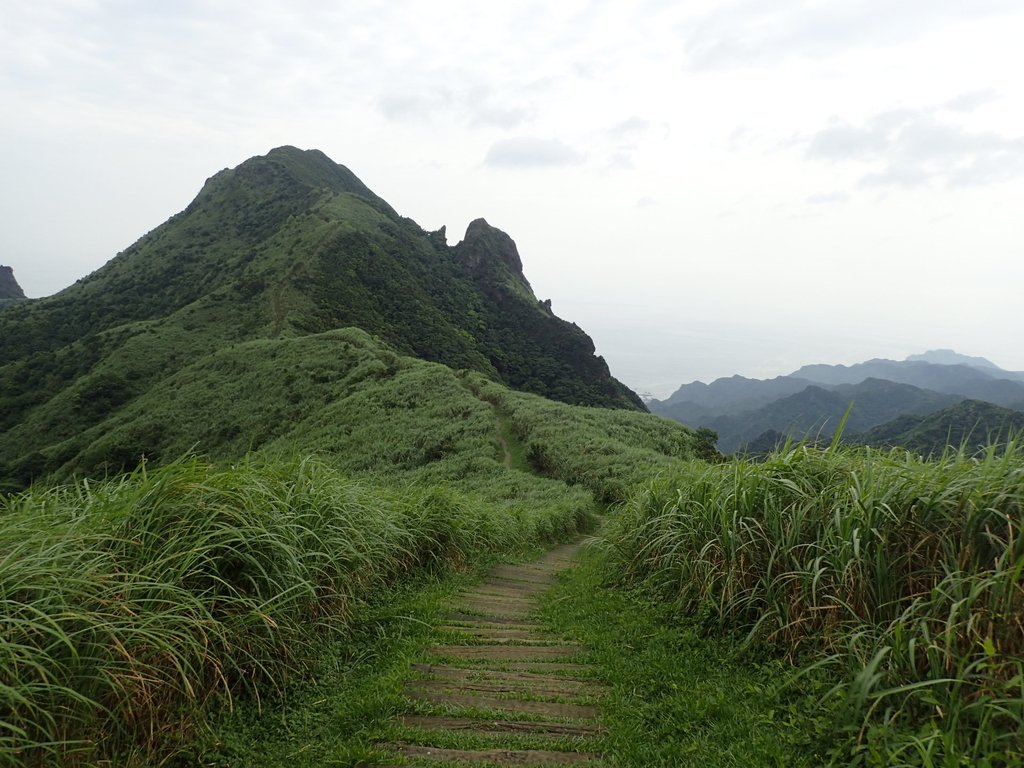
[484, 244]
[9, 288]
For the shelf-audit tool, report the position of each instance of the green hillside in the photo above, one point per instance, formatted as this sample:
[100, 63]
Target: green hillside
[283, 247]
[133, 607]
[341, 393]
[971, 424]
[817, 412]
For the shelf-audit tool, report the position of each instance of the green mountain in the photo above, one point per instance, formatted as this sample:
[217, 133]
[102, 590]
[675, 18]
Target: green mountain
[698, 403]
[972, 424]
[284, 248]
[816, 412]
[756, 414]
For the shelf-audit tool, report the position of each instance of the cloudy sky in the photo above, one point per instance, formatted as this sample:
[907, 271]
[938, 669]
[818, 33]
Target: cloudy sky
[707, 188]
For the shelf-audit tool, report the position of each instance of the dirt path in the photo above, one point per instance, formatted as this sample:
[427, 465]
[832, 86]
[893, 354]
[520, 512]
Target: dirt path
[502, 679]
[507, 459]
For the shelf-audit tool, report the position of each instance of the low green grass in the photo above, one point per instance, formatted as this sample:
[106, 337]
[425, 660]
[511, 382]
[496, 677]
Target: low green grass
[677, 696]
[130, 605]
[904, 576]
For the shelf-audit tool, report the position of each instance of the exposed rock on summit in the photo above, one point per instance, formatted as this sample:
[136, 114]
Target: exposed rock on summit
[486, 243]
[9, 288]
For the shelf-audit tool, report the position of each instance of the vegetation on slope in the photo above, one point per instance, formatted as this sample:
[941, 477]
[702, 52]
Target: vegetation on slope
[750, 414]
[142, 598]
[340, 393]
[605, 451]
[971, 424]
[283, 246]
[904, 573]
[128, 606]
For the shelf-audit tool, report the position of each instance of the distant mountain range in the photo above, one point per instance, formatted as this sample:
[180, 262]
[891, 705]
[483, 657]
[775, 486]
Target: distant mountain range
[810, 402]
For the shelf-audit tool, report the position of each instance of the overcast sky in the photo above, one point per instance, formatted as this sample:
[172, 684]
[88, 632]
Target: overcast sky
[707, 188]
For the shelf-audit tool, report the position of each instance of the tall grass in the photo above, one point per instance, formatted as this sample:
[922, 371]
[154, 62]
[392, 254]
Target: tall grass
[127, 605]
[906, 573]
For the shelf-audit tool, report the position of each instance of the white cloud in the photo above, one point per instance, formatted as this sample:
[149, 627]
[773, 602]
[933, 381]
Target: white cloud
[971, 101]
[416, 105]
[526, 152]
[630, 128]
[827, 198]
[912, 148]
[747, 33]
[476, 106]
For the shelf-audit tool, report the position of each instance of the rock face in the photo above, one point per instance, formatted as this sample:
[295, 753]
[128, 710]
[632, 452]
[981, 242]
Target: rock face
[483, 242]
[9, 288]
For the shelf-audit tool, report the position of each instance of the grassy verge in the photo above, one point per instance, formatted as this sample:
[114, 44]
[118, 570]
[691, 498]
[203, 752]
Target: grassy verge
[904, 575]
[335, 716]
[678, 697]
[128, 606]
[340, 713]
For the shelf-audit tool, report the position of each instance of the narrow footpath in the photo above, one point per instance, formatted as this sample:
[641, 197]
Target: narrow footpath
[501, 690]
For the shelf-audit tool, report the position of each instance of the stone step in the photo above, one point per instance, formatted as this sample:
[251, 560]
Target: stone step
[501, 634]
[539, 667]
[491, 687]
[508, 589]
[520, 679]
[501, 727]
[479, 620]
[504, 653]
[495, 756]
[527, 575]
[520, 706]
[492, 609]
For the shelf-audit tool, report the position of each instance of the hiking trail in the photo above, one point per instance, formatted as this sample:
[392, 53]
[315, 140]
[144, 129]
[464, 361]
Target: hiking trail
[502, 675]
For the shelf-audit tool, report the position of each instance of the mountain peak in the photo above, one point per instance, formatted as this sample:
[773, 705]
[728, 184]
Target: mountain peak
[9, 288]
[949, 357]
[306, 171]
[486, 243]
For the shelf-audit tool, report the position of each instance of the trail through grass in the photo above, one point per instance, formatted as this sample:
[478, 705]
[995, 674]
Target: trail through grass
[129, 606]
[676, 697]
[335, 717]
[506, 452]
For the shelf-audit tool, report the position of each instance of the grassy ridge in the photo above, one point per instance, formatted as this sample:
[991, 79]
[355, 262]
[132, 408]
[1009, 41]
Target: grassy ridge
[128, 605]
[608, 452]
[905, 573]
[341, 392]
